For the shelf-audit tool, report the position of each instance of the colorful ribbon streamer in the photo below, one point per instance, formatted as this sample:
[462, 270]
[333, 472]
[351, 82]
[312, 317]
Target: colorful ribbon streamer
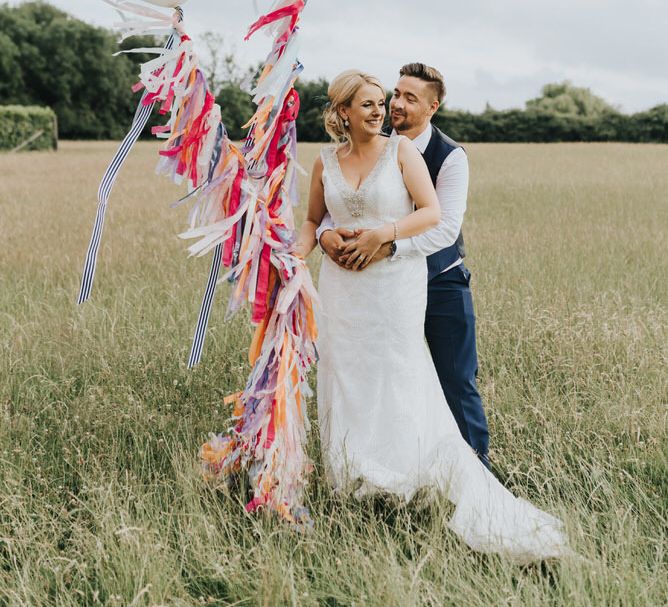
[242, 210]
[142, 114]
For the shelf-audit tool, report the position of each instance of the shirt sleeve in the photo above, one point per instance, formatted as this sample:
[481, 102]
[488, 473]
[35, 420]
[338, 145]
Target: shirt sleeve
[452, 186]
[325, 224]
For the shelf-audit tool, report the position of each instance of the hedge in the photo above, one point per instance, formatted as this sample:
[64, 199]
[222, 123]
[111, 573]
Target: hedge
[518, 126]
[18, 123]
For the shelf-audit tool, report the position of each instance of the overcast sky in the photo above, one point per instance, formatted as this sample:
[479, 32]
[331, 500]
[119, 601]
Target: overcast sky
[493, 51]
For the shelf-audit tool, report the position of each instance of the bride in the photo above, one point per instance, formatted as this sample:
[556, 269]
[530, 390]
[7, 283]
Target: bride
[384, 422]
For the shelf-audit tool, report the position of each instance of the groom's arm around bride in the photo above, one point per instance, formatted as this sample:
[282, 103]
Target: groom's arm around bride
[450, 321]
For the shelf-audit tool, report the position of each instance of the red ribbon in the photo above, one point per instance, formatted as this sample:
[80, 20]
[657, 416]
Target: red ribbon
[235, 199]
[191, 143]
[292, 11]
[289, 112]
[260, 307]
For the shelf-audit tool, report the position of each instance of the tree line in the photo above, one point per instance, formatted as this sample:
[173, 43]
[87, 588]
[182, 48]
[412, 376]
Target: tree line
[49, 58]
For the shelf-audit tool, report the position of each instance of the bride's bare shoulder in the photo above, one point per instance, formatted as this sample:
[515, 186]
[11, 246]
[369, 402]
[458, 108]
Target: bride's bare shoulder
[406, 150]
[402, 140]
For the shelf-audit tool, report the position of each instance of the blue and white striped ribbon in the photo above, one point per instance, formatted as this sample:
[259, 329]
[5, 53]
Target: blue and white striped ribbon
[205, 310]
[109, 179]
[139, 121]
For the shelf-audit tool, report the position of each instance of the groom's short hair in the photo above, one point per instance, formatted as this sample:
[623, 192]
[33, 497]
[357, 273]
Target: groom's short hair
[427, 73]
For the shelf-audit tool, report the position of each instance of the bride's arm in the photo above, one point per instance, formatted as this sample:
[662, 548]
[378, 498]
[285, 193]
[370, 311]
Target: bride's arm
[421, 189]
[426, 216]
[316, 211]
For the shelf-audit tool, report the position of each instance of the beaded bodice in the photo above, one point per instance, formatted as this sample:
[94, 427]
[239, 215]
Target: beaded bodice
[382, 196]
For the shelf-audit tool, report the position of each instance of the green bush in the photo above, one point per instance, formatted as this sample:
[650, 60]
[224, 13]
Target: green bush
[542, 126]
[18, 123]
[48, 58]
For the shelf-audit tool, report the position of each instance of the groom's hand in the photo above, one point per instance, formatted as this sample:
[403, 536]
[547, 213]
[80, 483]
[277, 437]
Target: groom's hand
[383, 253]
[334, 242]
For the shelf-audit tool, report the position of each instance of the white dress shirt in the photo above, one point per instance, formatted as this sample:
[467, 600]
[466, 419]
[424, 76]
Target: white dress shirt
[451, 189]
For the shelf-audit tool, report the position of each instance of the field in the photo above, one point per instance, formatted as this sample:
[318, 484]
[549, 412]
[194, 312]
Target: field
[101, 502]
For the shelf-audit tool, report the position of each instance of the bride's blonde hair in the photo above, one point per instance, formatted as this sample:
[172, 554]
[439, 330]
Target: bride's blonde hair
[341, 92]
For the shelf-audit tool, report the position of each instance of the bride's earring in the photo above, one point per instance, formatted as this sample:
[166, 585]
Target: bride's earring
[346, 123]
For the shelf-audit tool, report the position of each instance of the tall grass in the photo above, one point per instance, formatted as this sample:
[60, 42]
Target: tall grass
[100, 498]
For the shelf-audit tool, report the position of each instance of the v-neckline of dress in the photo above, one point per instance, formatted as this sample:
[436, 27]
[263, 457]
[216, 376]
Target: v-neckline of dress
[366, 179]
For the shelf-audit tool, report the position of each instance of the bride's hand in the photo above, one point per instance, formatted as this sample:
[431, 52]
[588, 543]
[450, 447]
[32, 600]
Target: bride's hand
[360, 252]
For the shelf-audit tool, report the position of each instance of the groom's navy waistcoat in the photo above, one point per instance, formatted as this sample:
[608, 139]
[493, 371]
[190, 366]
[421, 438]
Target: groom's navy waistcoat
[439, 148]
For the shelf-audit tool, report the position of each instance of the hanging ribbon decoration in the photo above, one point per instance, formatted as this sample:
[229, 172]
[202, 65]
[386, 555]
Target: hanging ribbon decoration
[269, 436]
[141, 117]
[241, 210]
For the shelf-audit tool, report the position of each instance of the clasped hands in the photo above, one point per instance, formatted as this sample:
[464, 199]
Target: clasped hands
[354, 249]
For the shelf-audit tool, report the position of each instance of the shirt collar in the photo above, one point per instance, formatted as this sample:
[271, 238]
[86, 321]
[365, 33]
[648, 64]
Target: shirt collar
[422, 140]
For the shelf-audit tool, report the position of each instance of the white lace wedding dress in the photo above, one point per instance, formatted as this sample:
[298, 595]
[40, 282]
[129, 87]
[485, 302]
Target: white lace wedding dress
[384, 421]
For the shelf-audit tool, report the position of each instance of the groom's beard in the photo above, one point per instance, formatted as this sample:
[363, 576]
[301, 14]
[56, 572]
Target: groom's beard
[400, 122]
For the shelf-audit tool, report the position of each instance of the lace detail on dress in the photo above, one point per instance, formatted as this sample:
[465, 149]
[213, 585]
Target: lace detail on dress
[357, 200]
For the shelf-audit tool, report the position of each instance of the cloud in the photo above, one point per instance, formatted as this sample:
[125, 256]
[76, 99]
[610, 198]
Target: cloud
[489, 51]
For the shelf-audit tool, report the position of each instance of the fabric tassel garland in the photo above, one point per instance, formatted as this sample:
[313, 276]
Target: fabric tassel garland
[242, 210]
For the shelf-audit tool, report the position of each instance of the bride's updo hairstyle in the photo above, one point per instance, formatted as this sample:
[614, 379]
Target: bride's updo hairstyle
[341, 92]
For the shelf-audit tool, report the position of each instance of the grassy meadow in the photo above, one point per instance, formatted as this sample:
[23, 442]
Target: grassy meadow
[101, 502]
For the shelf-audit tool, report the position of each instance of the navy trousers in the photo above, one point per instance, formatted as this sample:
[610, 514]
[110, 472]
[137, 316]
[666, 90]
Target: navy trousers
[450, 333]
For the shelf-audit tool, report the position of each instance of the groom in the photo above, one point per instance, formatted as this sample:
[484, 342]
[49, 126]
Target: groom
[450, 321]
